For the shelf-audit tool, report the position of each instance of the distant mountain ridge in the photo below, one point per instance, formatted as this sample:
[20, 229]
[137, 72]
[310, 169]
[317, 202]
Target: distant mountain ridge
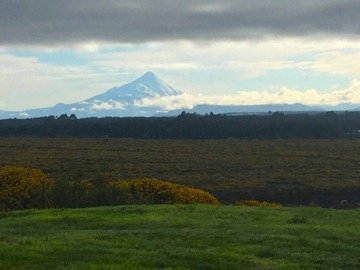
[244, 109]
[126, 101]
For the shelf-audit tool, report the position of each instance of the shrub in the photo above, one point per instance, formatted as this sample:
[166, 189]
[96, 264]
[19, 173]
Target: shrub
[22, 188]
[119, 192]
[255, 203]
[161, 192]
[82, 192]
[78, 193]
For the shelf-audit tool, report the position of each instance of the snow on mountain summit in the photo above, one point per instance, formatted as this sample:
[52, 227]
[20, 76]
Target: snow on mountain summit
[147, 86]
[153, 83]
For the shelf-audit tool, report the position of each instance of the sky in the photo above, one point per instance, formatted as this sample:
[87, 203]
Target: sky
[220, 52]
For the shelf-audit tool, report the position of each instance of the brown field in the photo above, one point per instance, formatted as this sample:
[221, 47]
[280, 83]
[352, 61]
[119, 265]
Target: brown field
[277, 170]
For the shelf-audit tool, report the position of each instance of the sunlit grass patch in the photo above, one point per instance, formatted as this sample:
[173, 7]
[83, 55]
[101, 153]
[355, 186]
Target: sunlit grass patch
[180, 237]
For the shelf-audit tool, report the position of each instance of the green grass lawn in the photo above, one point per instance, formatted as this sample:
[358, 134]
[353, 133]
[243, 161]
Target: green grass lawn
[180, 237]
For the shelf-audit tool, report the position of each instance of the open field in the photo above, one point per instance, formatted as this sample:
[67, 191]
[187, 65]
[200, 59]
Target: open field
[180, 237]
[296, 171]
[290, 171]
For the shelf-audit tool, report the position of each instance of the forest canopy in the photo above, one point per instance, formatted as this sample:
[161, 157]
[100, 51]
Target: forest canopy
[277, 125]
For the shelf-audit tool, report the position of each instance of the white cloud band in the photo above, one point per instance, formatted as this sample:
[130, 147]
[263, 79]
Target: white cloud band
[280, 96]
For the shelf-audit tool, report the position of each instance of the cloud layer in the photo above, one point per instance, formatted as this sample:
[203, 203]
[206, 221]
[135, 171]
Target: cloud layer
[54, 23]
[283, 95]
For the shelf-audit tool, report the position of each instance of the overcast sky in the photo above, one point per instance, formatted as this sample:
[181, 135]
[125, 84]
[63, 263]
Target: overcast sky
[228, 52]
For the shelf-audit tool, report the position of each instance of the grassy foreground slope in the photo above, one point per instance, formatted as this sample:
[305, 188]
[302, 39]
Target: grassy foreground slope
[180, 237]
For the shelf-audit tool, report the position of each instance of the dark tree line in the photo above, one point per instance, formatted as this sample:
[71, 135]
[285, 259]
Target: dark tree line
[276, 125]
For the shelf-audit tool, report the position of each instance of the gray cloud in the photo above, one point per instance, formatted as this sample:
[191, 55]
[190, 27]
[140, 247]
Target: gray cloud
[44, 22]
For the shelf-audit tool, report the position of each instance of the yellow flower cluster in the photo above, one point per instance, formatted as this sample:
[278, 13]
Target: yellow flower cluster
[160, 192]
[22, 187]
[255, 203]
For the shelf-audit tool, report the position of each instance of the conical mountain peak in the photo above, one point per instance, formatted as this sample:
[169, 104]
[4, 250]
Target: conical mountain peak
[149, 76]
[147, 86]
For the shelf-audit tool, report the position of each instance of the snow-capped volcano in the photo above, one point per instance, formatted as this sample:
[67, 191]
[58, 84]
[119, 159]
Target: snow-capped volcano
[123, 100]
[147, 86]
[117, 101]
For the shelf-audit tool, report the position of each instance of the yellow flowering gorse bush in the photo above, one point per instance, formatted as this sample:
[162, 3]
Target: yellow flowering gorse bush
[160, 192]
[23, 188]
